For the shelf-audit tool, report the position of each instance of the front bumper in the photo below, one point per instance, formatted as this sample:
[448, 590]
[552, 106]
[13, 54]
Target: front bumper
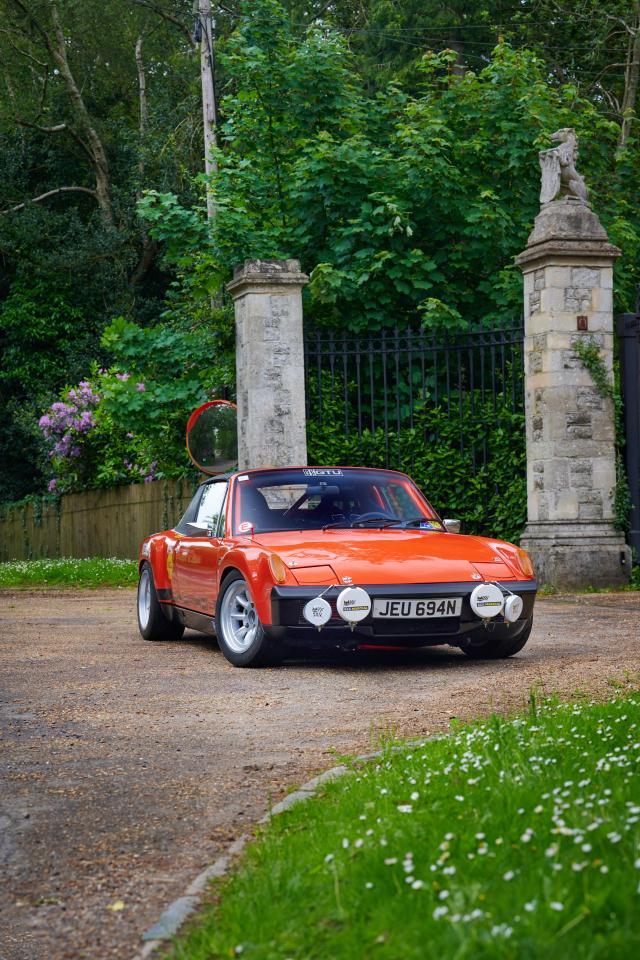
[287, 620]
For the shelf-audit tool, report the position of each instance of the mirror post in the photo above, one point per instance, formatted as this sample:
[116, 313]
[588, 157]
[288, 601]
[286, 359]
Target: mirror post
[267, 297]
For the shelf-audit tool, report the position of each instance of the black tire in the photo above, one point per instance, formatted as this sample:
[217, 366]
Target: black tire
[243, 642]
[152, 620]
[500, 647]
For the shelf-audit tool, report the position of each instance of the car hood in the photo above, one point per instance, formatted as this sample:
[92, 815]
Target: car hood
[387, 556]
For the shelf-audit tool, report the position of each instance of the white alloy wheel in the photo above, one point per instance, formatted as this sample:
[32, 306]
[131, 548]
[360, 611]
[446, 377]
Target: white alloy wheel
[153, 621]
[144, 598]
[238, 618]
[241, 636]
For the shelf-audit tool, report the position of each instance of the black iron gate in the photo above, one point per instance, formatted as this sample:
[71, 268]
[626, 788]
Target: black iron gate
[385, 381]
[628, 329]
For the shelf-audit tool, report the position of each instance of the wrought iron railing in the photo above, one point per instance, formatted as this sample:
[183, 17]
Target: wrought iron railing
[389, 381]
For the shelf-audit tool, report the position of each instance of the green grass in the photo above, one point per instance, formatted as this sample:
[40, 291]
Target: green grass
[514, 838]
[69, 572]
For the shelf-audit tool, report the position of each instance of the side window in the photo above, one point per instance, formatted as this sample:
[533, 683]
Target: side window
[211, 506]
[189, 514]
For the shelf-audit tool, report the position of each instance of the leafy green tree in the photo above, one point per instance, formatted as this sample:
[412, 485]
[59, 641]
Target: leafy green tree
[404, 208]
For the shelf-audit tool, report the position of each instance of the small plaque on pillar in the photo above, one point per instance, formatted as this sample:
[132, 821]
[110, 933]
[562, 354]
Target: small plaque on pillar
[583, 322]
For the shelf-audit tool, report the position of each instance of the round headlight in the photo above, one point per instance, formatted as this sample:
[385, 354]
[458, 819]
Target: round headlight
[277, 568]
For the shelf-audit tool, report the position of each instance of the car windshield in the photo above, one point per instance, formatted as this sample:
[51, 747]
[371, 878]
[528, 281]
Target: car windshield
[317, 498]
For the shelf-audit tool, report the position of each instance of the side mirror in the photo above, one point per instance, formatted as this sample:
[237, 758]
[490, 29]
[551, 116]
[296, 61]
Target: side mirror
[202, 529]
[452, 526]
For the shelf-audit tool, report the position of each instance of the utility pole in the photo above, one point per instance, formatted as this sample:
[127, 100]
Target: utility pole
[205, 26]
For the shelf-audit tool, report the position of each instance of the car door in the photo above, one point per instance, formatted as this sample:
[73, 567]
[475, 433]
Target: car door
[196, 554]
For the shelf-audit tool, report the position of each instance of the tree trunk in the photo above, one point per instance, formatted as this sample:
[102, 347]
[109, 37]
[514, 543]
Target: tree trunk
[58, 50]
[208, 97]
[631, 77]
[149, 246]
[142, 88]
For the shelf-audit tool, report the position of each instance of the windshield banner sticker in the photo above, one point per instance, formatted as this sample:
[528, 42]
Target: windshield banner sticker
[324, 472]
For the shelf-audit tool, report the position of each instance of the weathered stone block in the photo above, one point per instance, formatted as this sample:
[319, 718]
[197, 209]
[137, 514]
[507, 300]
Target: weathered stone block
[561, 366]
[603, 427]
[604, 474]
[602, 301]
[539, 280]
[606, 278]
[556, 474]
[581, 474]
[544, 506]
[528, 284]
[538, 476]
[570, 360]
[552, 299]
[537, 428]
[588, 398]
[557, 277]
[578, 425]
[591, 508]
[596, 338]
[565, 505]
[577, 299]
[537, 378]
[600, 325]
[535, 361]
[585, 277]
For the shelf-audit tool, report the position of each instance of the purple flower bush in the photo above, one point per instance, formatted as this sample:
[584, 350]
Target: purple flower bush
[87, 444]
[69, 421]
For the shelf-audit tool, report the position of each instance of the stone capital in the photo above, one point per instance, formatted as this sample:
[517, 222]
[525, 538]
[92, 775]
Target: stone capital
[557, 252]
[266, 276]
[567, 232]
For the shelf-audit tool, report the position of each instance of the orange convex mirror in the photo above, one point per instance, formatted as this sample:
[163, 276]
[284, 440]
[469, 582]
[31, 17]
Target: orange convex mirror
[212, 437]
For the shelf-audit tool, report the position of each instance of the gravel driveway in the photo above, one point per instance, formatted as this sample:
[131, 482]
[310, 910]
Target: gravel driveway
[128, 766]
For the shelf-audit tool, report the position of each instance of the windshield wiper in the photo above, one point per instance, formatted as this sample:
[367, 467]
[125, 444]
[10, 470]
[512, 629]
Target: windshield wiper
[377, 522]
[336, 523]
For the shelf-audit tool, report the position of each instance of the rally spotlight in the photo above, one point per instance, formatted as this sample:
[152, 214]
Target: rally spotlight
[487, 601]
[353, 605]
[317, 612]
[513, 608]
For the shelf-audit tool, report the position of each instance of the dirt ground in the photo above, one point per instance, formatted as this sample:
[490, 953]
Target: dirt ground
[128, 766]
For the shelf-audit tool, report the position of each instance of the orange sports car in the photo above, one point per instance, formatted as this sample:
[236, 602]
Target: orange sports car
[274, 561]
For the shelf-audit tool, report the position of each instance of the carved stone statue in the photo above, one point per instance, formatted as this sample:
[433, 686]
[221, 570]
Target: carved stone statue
[558, 165]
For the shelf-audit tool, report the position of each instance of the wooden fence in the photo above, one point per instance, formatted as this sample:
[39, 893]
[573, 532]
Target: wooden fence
[99, 523]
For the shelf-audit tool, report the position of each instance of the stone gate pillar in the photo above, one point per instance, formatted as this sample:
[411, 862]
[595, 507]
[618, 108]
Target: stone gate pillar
[267, 297]
[568, 295]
